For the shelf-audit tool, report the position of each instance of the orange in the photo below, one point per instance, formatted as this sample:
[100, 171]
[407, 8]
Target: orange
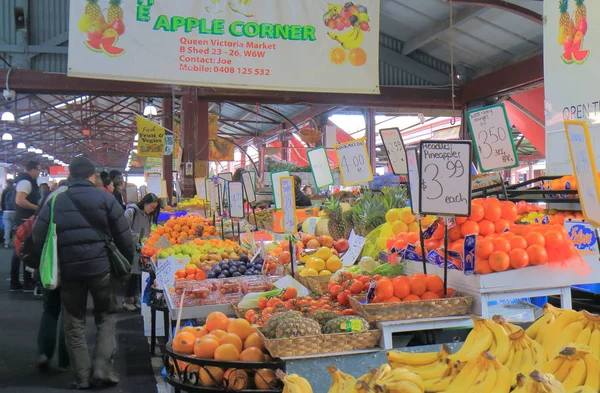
[533, 238]
[484, 249]
[482, 266]
[554, 239]
[183, 343]
[430, 295]
[499, 261]
[493, 211]
[477, 212]
[211, 376]
[393, 299]
[478, 201]
[418, 284]
[241, 328]
[460, 220]
[197, 331]
[205, 347]
[507, 235]
[411, 298]
[486, 227]
[502, 244]
[218, 333]
[434, 284]
[457, 246]
[357, 57]
[401, 286]
[384, 289]
[469, 227]
[337, 55]
[439, 232]
[454, 233]
[509, 211]
[501, 225]
[432, 244]
[255, 341]
[216, 320]
[227, 352]
[518, 258]
[537, 255]
[265, 379]
[230, 338]
[517, 242]
[252, 354]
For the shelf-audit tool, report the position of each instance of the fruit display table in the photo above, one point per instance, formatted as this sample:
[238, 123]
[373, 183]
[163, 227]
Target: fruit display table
[196, 312]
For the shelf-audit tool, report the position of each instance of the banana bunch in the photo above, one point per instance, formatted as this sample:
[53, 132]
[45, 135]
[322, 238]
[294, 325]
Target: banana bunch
[577, 368]
[525, 354]
[293, 383]
[434, 368]
[486, 335]
[342, 382]
[351, 39]
[538, 329]
[579, 327]
[538, 383]
[389, 380]
[481, 375]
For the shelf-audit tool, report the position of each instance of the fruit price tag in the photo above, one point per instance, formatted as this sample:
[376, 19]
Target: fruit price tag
[236, 199]
[227, 176]
[445, 178]
[355, 166]
[356, 245]
[491, 133]
[154, 183]
[213, 196]
[584, 166]
[312, 226]
[200, 187]
[207, 183]
[288, 204]
[248, 187]
[162, 243]
[352, 325]
[394, 148]
[413, 179]
[319, 165]
[165, 272]
[275, 176]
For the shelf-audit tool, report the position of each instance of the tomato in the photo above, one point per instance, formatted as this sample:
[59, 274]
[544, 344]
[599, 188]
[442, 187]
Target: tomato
[334, 289]
[364, 279]
[366, 286]
[326, 307]
[273, 302]
[349, 311]
[377, 277]
[356, 287]
[250, 316]
[343, 298]
[262, 303]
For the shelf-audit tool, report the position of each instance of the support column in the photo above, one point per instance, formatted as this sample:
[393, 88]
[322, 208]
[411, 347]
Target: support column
[370, 135]
[195, 140]
[168, 160]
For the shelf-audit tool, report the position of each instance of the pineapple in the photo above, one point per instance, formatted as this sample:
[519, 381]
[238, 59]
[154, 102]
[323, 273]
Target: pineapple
[323, 316]
[297, 327]
[565, 18]
[335, 225]
[271, 325]
[580, 11]
[335, 325]
[93, 10]
[114, 11]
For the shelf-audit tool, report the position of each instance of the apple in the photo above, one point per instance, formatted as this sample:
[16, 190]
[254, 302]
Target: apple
[119, 26]
[341, 245]
[94, 33]
[582, 25]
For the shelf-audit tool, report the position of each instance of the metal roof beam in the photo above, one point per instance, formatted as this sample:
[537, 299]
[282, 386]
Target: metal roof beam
[425, 37]
[505, 6]
[407, 64]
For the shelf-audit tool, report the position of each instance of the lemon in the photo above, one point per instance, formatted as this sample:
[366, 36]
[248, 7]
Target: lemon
[324, 273]
[407, 217]
[309, 272]
[386, 230]
[413, 227]
[392, 215]
[316, 264]
[323, 253]
[399, 227]
[333, 264]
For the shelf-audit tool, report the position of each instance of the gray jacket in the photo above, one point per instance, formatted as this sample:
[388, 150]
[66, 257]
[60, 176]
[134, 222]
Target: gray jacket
[140, 224]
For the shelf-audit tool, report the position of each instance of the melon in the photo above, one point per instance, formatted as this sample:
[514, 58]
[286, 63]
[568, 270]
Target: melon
[308, 223]
[567, 58]
[581, 56]
[321, 228]
[112, 51]
[96, 44]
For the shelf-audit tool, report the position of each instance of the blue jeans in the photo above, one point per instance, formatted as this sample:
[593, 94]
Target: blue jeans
[8, 219]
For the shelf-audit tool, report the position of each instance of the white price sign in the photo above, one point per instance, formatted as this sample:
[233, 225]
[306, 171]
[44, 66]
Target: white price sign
[394, 148]
[275, 176]
[444, 170]
[491, 133]
[154, 183]
[356, 246]
[236, 199]
[213, 196]
[227, 176]
[354, 162]
[319, 165]
[249, 187]
[413, 179]
[165, 272]
[207, 183]
[584, 166]
[288, 204]
[200, 187]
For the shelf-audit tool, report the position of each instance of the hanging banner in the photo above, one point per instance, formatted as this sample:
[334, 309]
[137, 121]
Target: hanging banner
[220, 150]
[241, 44]
[58, 171]
[151, 141]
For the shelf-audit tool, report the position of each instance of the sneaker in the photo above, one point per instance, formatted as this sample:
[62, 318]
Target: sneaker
[43, 363]
[15, 286]
[28, 287]
[7, 246]
[100, 379]
[129, 306]
[37, 292]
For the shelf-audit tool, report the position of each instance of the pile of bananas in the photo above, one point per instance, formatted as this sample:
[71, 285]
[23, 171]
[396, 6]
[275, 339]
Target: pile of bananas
[577, 368]
[558, 327]
[293, 383]
[383, 380]
[538, 383]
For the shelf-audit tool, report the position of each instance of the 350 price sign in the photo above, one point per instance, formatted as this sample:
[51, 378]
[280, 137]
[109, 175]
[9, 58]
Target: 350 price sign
[490, 131]
[354, 162]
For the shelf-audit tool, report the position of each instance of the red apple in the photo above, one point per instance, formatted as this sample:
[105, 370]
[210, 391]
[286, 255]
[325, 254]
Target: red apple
[341, 245]
[582, 25]
[118, 26]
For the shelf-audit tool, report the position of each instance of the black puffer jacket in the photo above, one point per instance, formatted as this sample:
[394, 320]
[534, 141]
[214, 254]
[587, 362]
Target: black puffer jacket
[81, 249]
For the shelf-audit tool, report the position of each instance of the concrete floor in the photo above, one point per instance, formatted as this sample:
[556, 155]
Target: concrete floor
[19, 322]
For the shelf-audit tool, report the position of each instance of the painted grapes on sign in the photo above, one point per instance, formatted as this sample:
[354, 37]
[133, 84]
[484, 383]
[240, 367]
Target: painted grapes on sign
[571, 32]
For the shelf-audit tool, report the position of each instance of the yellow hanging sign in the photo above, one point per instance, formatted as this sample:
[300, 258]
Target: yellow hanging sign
[151, 141]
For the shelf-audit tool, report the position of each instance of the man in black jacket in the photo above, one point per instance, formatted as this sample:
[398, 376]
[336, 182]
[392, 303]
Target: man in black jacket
[85, 217]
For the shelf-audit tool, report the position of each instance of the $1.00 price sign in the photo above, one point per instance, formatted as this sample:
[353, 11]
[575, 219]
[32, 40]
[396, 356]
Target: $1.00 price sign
[444, 170]
[584, 166]
[354, 162]
[490, 130]
[201, 187]
[288, 204]
[319, 165]
[236, 199]
[394, 148]
[413, 179]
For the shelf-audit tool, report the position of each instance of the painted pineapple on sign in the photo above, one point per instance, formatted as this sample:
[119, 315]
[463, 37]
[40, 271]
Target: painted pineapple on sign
[571, 32]
[237, 6]
[103, 34]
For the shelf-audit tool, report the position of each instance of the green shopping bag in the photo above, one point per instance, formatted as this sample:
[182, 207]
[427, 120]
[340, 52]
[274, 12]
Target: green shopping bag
[49, 273]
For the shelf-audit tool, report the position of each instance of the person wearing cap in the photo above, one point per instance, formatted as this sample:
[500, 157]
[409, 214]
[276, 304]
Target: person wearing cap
[85, 218]
[9, 195]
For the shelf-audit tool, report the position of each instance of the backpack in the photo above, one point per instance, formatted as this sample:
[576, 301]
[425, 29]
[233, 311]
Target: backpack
[24, 243]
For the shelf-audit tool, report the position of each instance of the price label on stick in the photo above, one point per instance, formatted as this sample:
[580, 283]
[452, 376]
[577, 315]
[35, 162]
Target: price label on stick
[491, 133]
[165, 272]
[319, 165]
[354, 162]
[227, 176]
[356, 246]
[584, 166]
[207, 183]
[275, 176]
[288, 204]
[394, 148]
[413, 179]
[236, 199]
[445, 178]
[213, 196]
[200, 187]
[248, 187]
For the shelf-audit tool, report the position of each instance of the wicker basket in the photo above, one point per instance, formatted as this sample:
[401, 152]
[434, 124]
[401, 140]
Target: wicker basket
[323, 343]
[316, 284]
[380, 312]
[310, 135]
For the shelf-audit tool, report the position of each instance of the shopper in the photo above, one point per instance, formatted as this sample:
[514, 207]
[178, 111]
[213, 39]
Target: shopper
[140, 216]
[85, 219]
[117, 181]
[44, 191]
[9, 195]
[107, 183]
[307, 190]
[51, 323]
[27, 199]
[301, 199]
